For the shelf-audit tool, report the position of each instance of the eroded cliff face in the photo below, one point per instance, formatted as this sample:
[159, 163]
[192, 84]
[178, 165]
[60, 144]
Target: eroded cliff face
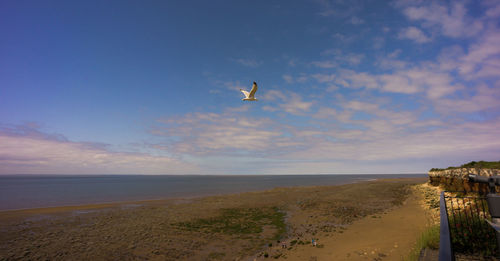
[458, 179]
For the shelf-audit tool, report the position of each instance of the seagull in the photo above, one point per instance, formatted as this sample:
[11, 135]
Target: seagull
[249, 96]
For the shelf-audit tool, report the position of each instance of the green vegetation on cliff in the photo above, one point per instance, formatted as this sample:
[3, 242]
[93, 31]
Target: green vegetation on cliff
[475, 164]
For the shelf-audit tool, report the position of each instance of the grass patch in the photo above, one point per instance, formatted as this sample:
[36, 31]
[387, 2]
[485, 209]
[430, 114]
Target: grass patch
[239, 221]
[428, 239]
[475, 164]
[471, 237]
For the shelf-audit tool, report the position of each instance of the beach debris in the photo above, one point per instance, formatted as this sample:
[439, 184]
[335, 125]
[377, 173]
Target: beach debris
[249, 96]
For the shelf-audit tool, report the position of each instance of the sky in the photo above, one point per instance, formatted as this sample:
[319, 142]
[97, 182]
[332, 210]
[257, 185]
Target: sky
[152, 87]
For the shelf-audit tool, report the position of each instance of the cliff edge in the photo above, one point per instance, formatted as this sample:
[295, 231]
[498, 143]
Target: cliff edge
[456, 178]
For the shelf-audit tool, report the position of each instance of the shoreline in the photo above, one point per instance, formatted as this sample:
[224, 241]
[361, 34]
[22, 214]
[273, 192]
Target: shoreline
[168, 228]
[208, 194]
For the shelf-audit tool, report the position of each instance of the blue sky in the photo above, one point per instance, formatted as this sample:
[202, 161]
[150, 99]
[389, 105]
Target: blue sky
[127, 87]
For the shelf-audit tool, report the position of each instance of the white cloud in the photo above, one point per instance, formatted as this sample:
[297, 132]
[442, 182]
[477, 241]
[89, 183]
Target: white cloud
[296, 105]
[361, 106]
[341, 9]
[383, 119]
[322, 78]
[344, 38]
[378, 42]
[389, 134]
[291, 102]
[451, 21]
[481, 56]
[493, 11]
[213, 133]
[426, 78]
[273, 95]
[324, 64]
[484, 99]
[353, 59]
[390, 64]
[301, 78]
[359, 80]
[384, 142]
[340, 57]
[325, 112]
[414, 34]
[220, 86]
[394, 54]
[356, 20]
[248, 62]
[38, 153]
[288, 78]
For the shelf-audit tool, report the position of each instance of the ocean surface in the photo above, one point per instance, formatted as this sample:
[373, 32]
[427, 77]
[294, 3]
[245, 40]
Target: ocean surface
[36, 191]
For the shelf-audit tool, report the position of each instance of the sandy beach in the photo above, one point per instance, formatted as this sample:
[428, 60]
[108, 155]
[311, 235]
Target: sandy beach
[377, 220]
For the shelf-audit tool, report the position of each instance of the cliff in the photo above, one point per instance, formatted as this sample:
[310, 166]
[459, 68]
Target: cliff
[456, 179]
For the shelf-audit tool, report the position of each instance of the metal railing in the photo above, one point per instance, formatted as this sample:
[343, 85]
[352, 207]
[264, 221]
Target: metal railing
[445, 246]
[464, 228]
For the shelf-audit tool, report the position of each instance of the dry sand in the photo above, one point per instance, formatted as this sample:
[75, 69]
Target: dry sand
[389, 236]
[378, 220]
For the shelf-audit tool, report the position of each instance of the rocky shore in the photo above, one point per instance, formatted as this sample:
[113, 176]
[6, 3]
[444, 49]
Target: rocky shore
[273, 224]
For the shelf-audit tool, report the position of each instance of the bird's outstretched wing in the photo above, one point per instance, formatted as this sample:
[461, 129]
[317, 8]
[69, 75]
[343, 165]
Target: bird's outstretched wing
[245, 92]
[253, 90]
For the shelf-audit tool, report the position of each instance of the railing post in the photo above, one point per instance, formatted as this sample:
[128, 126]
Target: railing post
[445, 248]
[493, 201]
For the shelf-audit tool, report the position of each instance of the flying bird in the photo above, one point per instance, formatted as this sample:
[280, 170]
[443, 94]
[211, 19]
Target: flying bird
[249, 96]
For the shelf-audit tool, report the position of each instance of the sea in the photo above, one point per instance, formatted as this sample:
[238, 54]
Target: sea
[38, 191]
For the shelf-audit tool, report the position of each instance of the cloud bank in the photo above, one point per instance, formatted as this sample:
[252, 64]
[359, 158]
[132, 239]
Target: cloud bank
[24, 150]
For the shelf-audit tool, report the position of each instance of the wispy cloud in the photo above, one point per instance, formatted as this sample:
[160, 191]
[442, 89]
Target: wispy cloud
[451, 21]
[385, 89]
[378, 42]
[485, 98]
[322, 78]
[425, 78]
[291, 102]
[324, 64]
[356, 20]
[337, 57]
[253, 63]
[388, 143]
[493, 8]
[483, 59]
[288, 78]
[341, 9]
[344, 38]
[229, 132]
[390, 135]
[415, 34]
[25, 150]
[301, 78]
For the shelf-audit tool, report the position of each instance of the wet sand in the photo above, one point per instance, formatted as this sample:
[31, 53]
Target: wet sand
[383, 217]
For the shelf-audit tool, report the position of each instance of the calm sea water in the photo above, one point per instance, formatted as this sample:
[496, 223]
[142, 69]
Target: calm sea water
[34, 191]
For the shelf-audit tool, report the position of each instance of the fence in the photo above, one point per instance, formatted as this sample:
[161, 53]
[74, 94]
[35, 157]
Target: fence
[464, 230]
